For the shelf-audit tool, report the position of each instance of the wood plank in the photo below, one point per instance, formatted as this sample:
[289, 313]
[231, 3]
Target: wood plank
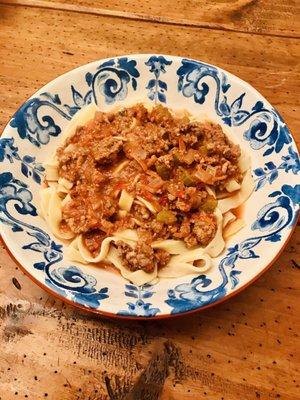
[271, 17]
[271, 64]
[246, 348]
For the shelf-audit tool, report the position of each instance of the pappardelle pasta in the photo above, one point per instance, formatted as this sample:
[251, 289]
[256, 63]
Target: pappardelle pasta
[146, 189]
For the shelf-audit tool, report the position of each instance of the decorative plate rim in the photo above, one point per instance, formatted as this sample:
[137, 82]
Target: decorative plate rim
[107, 314]
[166, 315]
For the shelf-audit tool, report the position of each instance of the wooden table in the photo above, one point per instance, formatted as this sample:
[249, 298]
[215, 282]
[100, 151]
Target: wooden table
[246, 348]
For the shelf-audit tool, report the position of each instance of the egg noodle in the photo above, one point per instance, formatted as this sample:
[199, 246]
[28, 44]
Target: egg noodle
[183, 261]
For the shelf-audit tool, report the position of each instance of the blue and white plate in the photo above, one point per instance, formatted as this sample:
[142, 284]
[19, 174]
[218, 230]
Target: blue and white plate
[205, 90]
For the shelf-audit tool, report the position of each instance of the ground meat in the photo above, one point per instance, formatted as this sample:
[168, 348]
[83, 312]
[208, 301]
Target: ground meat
[182, 229]
[142, 256]
[190, 137]
[152, 141]
[145, 235]
[162, 258]
[140, 212]
[93, 240]
[160, 115]
[79, 216]
[165, 159]
[158, 230]
[196, 229]
[139, 112]
[77, 166]
[185, 199]
[190, 199]
[106, 151]
[203, 229]
[217, 143]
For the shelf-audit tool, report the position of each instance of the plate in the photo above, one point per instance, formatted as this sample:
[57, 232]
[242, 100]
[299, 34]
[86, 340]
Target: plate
[206, 91]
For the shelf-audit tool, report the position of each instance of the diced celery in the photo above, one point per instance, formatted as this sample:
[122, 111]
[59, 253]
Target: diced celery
[166, 217]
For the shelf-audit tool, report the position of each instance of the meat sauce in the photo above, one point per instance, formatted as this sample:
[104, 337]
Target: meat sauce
[164, 159]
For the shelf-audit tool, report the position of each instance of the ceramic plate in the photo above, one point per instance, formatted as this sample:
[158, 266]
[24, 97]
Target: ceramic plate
[204, 90]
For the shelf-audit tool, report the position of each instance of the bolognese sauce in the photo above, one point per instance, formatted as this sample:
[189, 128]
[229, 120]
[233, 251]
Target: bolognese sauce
[161, 164]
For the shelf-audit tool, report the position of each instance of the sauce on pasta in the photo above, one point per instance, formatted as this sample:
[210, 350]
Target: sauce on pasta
[137, 178]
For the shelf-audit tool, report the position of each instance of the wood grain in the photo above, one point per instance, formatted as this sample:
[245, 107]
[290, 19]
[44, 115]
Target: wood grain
[62, 41]
[246, 348]
[270, 17]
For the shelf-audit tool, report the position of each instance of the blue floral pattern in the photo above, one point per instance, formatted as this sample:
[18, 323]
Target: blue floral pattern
[110, 80]
[69, 281]
[157, 87]
[81, 287]
[79, 101]
[29, 167]
[12, 189]
[188, 296]
[34, 128]
[270, 172]
[139, 307]
[267, 129]
[272, 219]
[191, 73]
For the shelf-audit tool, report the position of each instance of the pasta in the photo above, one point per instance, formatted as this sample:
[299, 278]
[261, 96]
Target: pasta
[240, 197]
[145, 190]
[51, 211]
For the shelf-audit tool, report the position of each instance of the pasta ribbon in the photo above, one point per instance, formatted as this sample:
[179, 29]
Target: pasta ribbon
[240, 197]
[183, 261]
[51, 211]
[125, 201]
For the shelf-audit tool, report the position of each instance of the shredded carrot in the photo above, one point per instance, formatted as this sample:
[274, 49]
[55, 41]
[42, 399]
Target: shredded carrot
[116, 193]
[147, 195]
[180, 194]
[163, 200]
[119, 185]
[156, 205]
[181, 144]
[153, 173]
[141, 163]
